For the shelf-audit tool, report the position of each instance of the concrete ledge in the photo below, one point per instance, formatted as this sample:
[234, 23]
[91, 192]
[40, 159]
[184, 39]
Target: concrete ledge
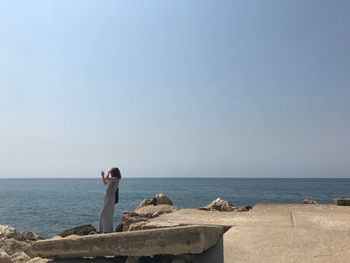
[172, 241]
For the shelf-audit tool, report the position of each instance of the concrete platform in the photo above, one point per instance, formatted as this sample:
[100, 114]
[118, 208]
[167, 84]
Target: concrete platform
[276, 232]
[173, 241]
[226, 219]
[287, 245]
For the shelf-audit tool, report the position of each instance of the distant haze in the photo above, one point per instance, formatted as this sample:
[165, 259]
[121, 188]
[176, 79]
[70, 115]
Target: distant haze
[175, 88]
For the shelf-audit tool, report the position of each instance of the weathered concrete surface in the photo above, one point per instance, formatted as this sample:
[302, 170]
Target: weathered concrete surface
[287, 245]
[199, 217]
[329, 217]
[213, 254]
[274, 215]
[276, 232]
[175, 241]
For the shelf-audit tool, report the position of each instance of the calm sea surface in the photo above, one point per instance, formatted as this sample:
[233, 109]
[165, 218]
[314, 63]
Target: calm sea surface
[48, 206]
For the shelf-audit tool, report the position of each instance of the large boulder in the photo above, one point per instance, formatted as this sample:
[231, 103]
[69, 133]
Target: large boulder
[7, 232]
[161, 199]
[4, 257]
[11, 246]
[219, 205]
[79, 230]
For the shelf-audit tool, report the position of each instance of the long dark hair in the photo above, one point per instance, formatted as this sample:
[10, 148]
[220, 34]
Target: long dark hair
[115, 172]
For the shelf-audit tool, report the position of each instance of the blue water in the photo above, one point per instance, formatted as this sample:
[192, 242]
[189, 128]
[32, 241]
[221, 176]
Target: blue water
[48, 206]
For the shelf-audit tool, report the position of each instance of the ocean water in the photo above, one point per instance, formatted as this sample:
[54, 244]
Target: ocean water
[49, 206]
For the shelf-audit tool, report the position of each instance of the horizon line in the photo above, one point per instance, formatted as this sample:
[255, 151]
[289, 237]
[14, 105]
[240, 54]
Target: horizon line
[179, 177]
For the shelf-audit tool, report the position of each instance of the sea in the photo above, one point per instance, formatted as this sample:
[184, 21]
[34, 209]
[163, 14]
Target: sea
[49, 206]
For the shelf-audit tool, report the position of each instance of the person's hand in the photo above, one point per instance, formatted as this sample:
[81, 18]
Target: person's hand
[102, 173]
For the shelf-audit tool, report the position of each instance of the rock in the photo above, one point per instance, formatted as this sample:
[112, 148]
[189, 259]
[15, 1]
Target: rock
[219, 205]
[79, 230]
[137, 226]
[134, 220]
[131, 218]
[11, 246]
[27, 236]
[310, 202]
[4, 257]
[119, 228]
[244, 208]
[39, 260]
[154, 211]
[7, 232]
[20, 257]
[143, 203]
[161, 199]
[146, 210]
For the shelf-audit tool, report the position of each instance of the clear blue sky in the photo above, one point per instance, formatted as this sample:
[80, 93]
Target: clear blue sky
[175, 88]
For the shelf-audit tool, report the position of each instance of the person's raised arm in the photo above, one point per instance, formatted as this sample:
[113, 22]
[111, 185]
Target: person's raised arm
[104, 179]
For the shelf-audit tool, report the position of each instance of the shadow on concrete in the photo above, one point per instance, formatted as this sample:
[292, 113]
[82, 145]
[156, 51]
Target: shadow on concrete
[91, 260]
[213, 254]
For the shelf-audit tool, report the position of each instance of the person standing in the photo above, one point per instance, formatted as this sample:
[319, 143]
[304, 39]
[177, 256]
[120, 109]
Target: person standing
[106, 216]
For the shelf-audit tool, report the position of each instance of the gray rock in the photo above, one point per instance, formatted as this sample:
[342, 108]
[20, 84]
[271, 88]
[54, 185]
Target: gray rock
[243, 208]
[20, 257]
[11, 246]
[143, 203]
[161, 199]
[132, 218]
[219, 205]
[152, 211]
[39, 260]
[4, 257]
[27, 236]
[7, 232]
[79, 230]
[137, 226]
[310, 202]
[119, 228]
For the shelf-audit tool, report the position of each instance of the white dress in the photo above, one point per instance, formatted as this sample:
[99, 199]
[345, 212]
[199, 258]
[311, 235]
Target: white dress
[107, 213]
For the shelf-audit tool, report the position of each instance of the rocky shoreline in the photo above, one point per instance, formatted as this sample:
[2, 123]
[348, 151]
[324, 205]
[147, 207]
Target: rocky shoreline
[14, 245]
[17, 247]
